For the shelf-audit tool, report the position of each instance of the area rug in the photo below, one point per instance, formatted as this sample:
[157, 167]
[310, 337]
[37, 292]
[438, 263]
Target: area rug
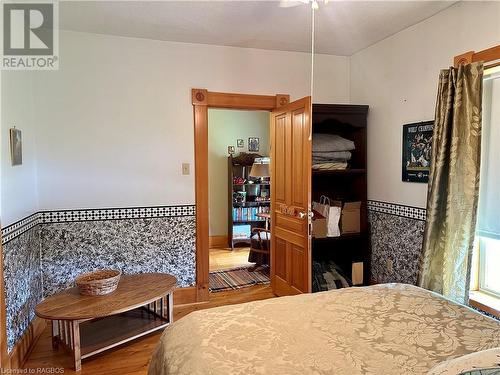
[237, 278]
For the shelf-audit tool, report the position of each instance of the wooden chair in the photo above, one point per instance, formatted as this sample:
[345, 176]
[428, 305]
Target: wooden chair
[260, 247]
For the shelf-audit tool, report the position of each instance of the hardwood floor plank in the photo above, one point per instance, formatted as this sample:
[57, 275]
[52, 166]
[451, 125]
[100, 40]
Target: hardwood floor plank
[133, 358]
[223, 259]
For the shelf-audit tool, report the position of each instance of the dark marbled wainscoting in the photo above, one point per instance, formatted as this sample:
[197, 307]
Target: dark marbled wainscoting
[396, 239]
[131, 245]
[23, 281]
[44, 252]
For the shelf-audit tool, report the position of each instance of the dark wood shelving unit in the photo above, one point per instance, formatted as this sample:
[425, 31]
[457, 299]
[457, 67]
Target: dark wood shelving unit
[349, 185]
[248, 184]
[251, 204]
[249, 221]
[340, 171]
[344, 236]
[236, 170]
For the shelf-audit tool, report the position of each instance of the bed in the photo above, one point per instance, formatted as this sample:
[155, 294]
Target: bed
[381, 329]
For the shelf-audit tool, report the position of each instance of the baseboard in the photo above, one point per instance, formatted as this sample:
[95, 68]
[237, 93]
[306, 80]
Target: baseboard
[183, 296]
[26, 343]
[217, 241]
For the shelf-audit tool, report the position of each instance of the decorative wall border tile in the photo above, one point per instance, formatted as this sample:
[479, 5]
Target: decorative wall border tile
[12, 231]
[19, 227]
[398, 210]
[62, 216]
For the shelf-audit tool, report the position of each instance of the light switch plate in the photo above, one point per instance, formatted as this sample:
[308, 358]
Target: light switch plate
[185, 168]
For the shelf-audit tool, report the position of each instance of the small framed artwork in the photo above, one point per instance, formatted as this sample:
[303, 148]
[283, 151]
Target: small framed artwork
[417, 151]
[230, 150]
[16, 146]
[240, 143]
[253, 144]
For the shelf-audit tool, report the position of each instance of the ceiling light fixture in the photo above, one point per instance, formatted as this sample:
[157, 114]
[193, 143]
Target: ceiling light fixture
[314, 7]
[291, 3]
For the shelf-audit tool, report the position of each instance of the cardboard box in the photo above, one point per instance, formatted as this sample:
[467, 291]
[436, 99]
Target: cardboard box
[350, 222]
[319, 225]
[357, 273]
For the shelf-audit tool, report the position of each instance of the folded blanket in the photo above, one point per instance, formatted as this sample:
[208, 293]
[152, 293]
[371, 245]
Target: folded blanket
[331, 142]
[328, 276]
[328, 155]
[330, 166]
[326, 161]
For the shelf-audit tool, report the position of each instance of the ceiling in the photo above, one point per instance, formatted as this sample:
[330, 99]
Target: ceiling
[342, 27]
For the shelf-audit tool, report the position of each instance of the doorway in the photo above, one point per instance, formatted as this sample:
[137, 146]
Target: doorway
[202, 100]
[239, 198]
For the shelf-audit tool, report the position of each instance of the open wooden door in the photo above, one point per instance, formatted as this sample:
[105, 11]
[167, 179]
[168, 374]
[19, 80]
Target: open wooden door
[291, 198]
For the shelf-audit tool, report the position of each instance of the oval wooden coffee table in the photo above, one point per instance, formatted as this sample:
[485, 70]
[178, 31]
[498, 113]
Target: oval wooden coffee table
[88, 325]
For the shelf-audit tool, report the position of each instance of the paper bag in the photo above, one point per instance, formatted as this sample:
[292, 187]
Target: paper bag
[331, 213]
[319, 225]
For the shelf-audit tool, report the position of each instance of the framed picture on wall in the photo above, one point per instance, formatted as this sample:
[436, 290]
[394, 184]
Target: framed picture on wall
[230, 150]
[16, 147]
[417, 151]
[240, 143]
[253, 144]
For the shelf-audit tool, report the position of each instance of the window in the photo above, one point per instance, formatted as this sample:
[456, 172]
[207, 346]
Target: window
[487, 273]
[489, 262]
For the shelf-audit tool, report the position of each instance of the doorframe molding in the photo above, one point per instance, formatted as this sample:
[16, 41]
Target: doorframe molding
[202, 100]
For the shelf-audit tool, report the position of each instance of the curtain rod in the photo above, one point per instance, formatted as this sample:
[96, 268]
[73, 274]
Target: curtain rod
[492, 65]
[486, 55]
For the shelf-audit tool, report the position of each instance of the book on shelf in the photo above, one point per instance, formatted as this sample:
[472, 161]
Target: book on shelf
[249, 213]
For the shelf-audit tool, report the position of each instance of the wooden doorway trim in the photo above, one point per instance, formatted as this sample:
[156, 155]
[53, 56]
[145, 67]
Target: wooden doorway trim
[202, 100]
[487, 55]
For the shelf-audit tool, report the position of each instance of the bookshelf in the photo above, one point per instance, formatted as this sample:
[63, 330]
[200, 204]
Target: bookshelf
[247, 197]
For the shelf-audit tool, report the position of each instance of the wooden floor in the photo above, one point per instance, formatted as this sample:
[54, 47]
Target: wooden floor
[133, 358]
[223, 259]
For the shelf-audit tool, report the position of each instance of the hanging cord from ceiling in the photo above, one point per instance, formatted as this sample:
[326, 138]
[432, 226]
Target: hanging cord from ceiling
[313, 10]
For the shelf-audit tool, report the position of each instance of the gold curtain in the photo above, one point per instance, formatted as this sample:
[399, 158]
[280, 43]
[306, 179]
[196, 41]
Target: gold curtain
[453, 183]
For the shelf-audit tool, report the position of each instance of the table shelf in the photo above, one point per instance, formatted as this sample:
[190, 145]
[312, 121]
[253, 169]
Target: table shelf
[105, 333]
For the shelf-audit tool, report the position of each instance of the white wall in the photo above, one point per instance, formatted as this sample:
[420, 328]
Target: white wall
[224, 128]
[115, 122]
[19, 196]
[398, 78]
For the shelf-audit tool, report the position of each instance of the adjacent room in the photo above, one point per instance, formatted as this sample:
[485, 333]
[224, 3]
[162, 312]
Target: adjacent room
[239, 198]
[250, 187]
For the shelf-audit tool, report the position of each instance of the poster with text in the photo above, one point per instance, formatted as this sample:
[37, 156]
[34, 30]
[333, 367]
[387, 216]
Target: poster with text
[417, 151]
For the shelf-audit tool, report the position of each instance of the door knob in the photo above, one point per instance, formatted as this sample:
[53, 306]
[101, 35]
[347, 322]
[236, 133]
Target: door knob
[302, 214]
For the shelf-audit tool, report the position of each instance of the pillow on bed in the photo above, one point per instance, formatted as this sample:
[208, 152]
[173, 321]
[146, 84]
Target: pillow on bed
[485, 362]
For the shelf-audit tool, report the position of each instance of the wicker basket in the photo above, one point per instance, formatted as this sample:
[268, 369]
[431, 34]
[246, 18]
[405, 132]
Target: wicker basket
[98, 283]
